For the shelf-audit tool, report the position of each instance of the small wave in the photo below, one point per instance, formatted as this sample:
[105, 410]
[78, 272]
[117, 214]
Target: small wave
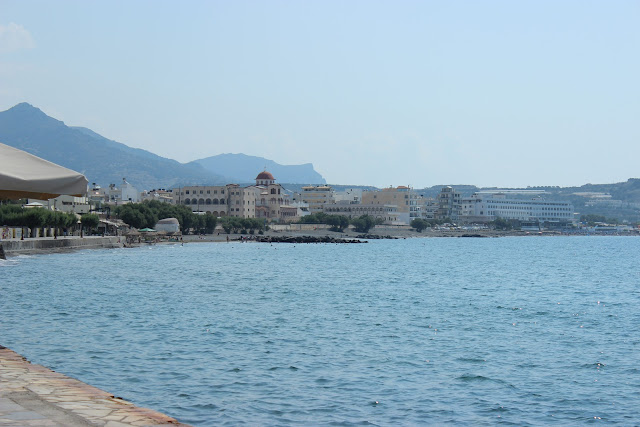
[467, 377]
[481, 378]
[205, 406]
[471, 359]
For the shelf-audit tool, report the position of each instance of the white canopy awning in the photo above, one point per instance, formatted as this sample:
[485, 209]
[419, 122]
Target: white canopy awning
[23, 175]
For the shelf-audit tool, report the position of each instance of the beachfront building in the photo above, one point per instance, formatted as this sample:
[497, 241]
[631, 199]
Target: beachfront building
[428, 208]
[270, 197]
[203, 198]
[159, 195]
[403, 197]
[242, 201]
[63, 203]
[448, 204]
[351, 195]
[263, 200]
[386, 213]
[289, 213]
[484, 207]
[317, 196]
[127, 193]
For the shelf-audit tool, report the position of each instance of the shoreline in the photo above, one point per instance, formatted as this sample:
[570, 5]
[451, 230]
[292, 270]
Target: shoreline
[386, 233]
[48, 245]
[33, 395]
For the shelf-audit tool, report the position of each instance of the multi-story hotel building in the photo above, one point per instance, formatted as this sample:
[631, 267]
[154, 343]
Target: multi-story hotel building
[263, 200]
[386, 213]
[316, 196]
[404, 198]
[242, 201]
[448, 204]
[211, 199]
[488, 206]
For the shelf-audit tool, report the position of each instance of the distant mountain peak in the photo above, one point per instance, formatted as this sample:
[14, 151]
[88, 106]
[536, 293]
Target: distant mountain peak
[26, 111]
[24, 105]
[102, 160]
[105, 161]
[242, 168]
[26, 108]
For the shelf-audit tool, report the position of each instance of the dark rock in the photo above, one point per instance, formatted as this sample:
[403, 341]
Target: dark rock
[305, 239]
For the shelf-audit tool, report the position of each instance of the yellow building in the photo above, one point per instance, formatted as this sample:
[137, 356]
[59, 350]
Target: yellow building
[317, 196]
[403, 197]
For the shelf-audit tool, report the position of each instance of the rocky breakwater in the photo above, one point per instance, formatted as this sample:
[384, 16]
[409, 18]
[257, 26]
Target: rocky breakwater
[305, 239]
[374, 237]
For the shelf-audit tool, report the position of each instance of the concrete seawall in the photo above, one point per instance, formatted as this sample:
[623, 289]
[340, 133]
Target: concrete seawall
[32, 395]
[48, 245]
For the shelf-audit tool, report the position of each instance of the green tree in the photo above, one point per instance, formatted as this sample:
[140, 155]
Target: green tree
[58, 220]
[210, 223]
[34, 218]
[363, 224]
[591, 219]
[226, 224]
[337, 222]
[316, 218]
[504, 224]
[420, 224]
[71, 220]
[89, 221]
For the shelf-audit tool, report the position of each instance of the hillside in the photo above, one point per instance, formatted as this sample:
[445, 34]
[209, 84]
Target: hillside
[241, 168]
[101, 160]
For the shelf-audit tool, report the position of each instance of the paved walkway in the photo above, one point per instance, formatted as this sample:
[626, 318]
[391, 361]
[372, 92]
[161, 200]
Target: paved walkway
[32, 395]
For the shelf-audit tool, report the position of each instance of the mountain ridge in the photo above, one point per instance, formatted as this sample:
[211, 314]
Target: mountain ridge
[227, 164]
[103, 160]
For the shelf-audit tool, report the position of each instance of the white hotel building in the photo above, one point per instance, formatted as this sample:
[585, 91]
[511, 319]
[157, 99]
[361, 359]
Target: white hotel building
[485, 207]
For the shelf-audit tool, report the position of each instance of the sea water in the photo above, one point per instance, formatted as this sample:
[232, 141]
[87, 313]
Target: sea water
[524, 331]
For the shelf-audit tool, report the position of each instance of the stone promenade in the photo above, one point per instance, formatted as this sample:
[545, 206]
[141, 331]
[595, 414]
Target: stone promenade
[32, 395]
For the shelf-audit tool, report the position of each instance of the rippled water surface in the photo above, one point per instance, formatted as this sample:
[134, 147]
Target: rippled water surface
[420, 331]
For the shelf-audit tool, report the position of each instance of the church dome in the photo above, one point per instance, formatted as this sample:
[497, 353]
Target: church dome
[265, 175]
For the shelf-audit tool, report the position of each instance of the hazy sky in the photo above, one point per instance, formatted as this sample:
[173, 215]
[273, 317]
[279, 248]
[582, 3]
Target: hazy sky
[492, 93]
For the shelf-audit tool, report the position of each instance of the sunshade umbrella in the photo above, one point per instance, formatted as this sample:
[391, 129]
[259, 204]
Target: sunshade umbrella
[23, 175]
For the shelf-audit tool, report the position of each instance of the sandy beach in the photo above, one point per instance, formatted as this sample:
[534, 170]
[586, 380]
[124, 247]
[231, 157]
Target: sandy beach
[381, 231]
